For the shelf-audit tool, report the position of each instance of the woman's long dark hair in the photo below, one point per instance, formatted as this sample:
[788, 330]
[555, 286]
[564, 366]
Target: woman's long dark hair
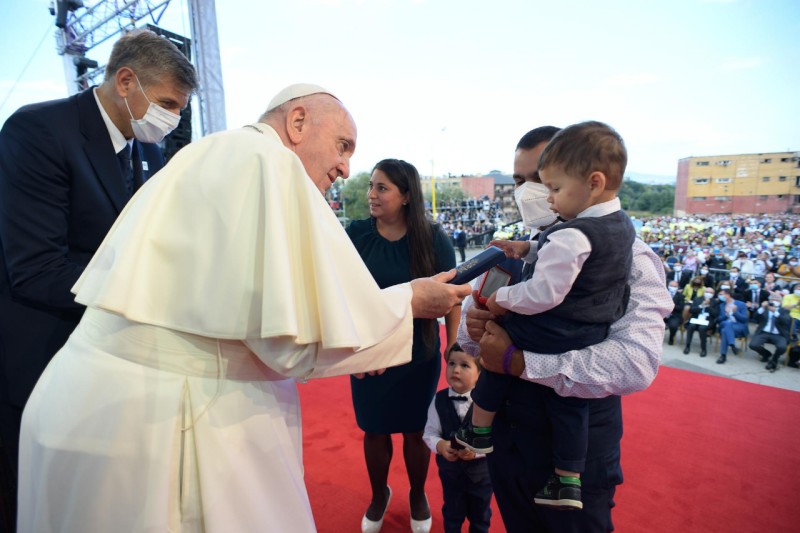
[419, 229]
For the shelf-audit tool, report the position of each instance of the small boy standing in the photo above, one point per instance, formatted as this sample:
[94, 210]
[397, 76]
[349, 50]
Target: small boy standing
[466, 487]
[578, 288]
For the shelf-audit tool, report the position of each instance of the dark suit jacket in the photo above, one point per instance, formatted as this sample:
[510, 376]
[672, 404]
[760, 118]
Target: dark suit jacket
[761, 296]
[61, 189]
[783, 322]
[710, 307]
[738, 288]
[674, 319]
[684, 277]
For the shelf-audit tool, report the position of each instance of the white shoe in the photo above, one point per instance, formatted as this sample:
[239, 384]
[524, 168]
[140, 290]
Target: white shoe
[422, 526]
[374, 526]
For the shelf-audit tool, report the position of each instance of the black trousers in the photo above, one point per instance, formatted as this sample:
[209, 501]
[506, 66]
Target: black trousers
[466, 498]
[520, 464]
[778, 341]
[702, 330]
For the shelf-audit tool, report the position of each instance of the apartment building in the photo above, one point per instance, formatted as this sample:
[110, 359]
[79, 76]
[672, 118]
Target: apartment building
[738, 184]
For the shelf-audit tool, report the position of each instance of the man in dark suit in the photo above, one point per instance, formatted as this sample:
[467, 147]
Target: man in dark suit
[67, 169]
[717, 264]
[679, 274]
[675, 318]
[774, 325]
[754, 297]
[738, 284]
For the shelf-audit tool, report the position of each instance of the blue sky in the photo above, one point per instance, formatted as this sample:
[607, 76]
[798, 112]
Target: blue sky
[451, 85]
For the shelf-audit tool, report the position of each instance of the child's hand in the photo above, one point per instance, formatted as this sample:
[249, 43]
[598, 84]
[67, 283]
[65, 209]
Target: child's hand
[491, 305]
[513, 249]
[466, 455]
[444, 449]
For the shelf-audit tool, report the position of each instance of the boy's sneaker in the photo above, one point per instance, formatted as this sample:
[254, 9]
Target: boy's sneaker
[454, 443]
[561, 492]
[475, 442]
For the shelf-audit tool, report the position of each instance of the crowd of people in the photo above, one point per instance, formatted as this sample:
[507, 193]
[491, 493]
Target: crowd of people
[734, 275]
[477, 218]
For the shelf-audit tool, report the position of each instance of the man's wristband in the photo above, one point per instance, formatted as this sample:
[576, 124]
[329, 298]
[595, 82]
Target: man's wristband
[507, 358]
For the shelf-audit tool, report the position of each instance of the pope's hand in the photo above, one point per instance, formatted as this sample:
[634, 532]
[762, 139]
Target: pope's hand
[433, 297]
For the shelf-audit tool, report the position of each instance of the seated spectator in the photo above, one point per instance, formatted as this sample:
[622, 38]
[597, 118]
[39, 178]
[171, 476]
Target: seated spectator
[691, 291]
[731, 321]
[743, 264]
[690, 262]
[773, 328]
[717, 265]
[703, 318]
[791, 302]
[675, 318]
[790, 271]
[754, 297]
[676, 273]
[761, 265]
[738, 283]
[771, 284]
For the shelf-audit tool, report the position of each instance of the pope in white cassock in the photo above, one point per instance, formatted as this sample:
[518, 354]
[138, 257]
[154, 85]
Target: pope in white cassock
[173, 406]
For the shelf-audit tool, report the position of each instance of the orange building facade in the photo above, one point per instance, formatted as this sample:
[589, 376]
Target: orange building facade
[738, 184]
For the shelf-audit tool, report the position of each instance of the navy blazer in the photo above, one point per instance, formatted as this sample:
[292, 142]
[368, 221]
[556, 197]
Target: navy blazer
[61, 189]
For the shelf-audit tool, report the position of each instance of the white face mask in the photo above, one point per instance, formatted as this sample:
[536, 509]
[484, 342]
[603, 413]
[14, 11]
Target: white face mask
[156, 123]
[532, 203]
[672, 290]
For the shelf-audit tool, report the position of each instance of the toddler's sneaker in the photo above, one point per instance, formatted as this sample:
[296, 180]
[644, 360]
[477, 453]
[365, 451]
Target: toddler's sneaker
[561, 492]
[476, 442]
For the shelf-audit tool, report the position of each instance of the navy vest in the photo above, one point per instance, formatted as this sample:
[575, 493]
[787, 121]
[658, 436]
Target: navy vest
[450, 424]
[599, 295]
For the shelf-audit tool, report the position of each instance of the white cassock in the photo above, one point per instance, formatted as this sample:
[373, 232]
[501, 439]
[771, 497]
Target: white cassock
[173, 406]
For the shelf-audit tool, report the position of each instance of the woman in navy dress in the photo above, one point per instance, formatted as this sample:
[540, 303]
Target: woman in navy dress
[398, 243]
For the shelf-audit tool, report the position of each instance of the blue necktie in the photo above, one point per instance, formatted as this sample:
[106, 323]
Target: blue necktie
[124, 158]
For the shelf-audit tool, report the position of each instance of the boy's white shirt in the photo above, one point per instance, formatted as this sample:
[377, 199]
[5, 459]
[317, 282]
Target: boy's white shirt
[433, 427]
[557, 267]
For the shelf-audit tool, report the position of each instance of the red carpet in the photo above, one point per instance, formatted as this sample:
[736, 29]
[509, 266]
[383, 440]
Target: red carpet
[700, 454]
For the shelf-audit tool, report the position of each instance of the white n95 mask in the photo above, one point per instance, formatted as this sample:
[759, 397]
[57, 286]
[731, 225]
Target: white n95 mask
[156, 123]
[532, 203]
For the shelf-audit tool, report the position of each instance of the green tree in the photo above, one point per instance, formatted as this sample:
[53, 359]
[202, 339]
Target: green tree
[647, 199]
[447, 193]
[354, 194]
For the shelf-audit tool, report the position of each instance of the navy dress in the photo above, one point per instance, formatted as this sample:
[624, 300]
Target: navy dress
[397, 401]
